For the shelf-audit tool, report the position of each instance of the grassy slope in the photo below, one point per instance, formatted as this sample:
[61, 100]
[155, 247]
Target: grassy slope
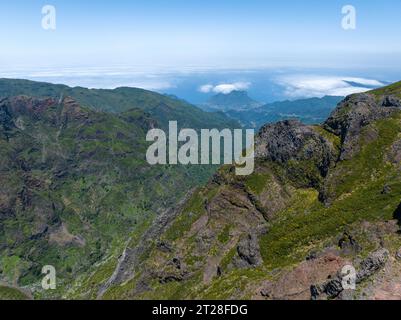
[7, 293]
[360, 198]
[304, 224]
[90, 175]
[393, 89]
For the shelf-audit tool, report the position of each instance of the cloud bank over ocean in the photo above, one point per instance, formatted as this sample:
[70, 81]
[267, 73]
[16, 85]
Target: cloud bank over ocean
[197, 84]
[307, 86]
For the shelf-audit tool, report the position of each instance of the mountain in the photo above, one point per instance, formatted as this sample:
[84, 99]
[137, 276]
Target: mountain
[75, 184]
[308, 111]
[162, 108]
[235, 100]
[322, 197]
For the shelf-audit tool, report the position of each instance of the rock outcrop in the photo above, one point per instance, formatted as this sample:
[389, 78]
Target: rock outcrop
[353, 114]
[368, 267]
[248, 252]
[292, 140]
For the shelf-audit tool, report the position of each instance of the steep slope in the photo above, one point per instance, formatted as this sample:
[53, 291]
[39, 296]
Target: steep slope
[321, 197]
[75, 187]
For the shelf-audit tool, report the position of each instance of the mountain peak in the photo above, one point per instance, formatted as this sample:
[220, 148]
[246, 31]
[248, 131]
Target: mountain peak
[235, 100]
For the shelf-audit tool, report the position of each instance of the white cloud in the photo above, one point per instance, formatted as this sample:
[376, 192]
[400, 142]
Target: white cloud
[206, 88]
[225, 88]
[97, 78]
[319, 86]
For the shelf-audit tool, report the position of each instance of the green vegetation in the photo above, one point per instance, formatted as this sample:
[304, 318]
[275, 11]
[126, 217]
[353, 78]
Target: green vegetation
[233, 284]
[335, 140]
[76, 191]
[308, 111]
[189, 215]
[7, 293]
[359, 197]
[257, 182]
[161, 108]
[369, 164]
[224, 236]
[75, 182]
[393, 89]
[310, 201]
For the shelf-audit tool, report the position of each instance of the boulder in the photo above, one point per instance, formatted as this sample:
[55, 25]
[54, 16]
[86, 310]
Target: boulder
[391, 102]
[373, 263]
[248, 252]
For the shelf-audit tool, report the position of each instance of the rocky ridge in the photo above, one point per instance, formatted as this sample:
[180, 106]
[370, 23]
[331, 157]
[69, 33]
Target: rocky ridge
[320, 197]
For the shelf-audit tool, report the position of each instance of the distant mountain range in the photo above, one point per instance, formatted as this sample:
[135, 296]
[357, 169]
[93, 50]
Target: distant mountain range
[253, 114]
[308, 111]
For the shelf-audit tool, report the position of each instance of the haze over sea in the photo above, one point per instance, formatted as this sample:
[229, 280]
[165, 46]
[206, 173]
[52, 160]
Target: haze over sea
[196, 85]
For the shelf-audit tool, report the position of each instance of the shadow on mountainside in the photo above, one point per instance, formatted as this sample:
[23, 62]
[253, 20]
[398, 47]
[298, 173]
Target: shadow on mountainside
[397, 214]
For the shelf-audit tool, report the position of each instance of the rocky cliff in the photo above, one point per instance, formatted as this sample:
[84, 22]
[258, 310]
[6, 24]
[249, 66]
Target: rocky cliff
[321, 198]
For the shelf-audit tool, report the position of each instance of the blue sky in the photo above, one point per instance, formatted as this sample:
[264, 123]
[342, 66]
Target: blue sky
[283, 49]
[219, 33]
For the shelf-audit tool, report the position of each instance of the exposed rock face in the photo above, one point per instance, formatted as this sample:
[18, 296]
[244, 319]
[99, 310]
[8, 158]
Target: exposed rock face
[391, 102]
[355, 113]
[295, 284]
[372, 264]
[282, 141]
[331, 288]
[353, 121]
[291, 139]
[248, 252]
[368, 267]
[36, 109]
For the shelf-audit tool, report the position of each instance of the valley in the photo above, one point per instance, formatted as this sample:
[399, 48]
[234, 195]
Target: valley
[200, 158]
[76, 185]
[77, 193]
